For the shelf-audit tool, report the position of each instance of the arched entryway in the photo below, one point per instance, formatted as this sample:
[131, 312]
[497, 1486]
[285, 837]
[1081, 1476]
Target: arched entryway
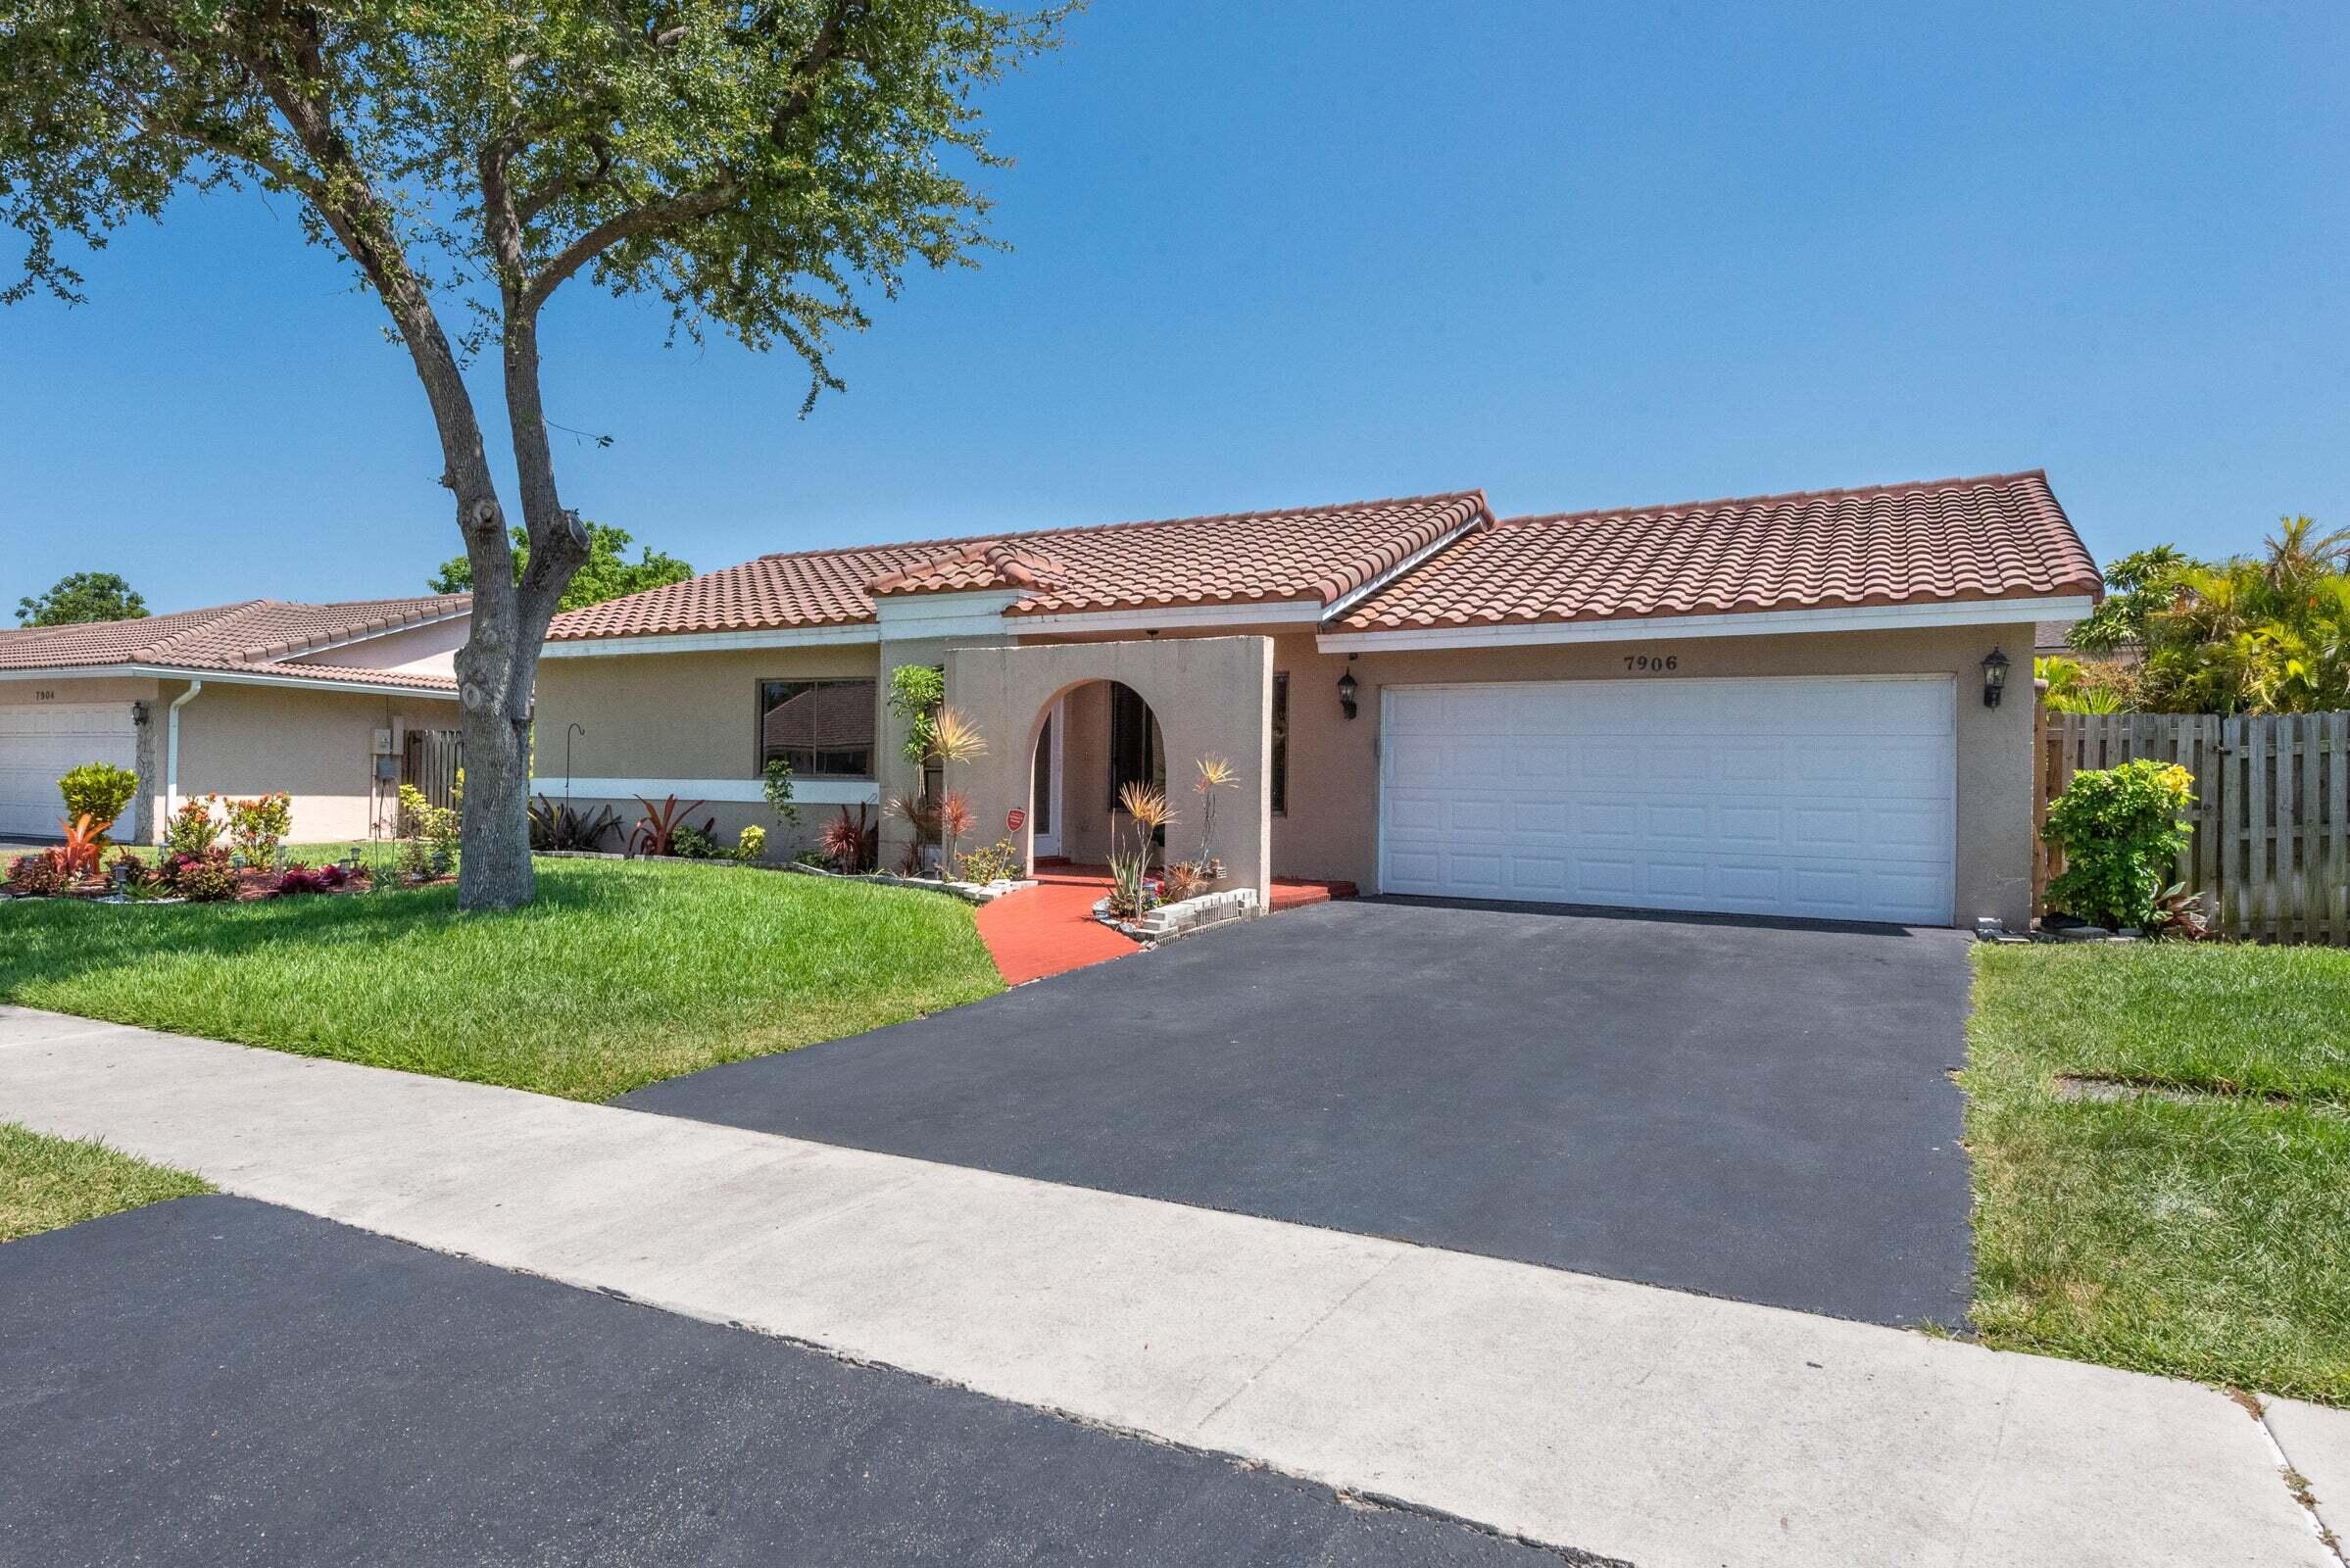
[1092, 739]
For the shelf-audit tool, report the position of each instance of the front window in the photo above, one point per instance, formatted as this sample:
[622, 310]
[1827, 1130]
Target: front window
[823, 728]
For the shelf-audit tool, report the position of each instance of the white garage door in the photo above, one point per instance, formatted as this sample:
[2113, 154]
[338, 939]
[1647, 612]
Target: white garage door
[1830, 798]
[40, 741]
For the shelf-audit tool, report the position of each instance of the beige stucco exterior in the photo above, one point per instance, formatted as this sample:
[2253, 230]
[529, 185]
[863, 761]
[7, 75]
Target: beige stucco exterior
[1211, 696]
[317, 746]
[692, 715]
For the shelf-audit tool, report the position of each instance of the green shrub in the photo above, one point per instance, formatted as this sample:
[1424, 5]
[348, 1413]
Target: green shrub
[193, 829]
[689, 843]
[1000, 861]
[100, 791]
[776, 784]
[204, 879]
[256, 827]
[2120, 832]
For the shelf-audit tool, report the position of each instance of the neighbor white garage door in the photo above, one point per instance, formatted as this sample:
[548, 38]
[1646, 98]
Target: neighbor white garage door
[1831, 797]
[40, 741]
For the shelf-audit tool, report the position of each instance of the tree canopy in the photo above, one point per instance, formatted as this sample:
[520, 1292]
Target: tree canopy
[2251, 634]
[758, 167]
[607, 573]
[82, 596]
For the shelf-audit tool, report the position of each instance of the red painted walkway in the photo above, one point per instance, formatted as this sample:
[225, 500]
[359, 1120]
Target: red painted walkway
[1050, 928]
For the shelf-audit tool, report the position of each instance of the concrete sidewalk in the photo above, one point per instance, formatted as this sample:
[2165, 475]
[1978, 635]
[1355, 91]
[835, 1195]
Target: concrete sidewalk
[1641, 1424]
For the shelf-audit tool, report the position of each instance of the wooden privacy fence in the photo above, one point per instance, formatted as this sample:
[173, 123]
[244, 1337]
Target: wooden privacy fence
[431, 760]
[2272, 815]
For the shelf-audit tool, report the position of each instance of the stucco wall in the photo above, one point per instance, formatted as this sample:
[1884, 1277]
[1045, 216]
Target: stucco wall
[1210, 697]
[419, 650]
[1331, 828]
[318, 747]
[659, 717]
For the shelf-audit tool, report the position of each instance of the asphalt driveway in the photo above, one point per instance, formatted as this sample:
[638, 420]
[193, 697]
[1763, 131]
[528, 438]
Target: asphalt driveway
[1752, 1110]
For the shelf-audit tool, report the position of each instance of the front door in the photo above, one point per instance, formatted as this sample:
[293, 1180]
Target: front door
[1044, 796]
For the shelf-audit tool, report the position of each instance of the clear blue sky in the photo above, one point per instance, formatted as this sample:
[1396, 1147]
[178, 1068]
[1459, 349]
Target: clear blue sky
[1579, 254]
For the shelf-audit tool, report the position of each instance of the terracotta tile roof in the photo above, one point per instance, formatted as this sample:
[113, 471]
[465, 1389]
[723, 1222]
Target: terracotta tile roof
[253, 634]
[1301, 553]
[1999, 536]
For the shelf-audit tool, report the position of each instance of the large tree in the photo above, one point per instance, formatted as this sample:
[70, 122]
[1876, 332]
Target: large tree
[82, 596]
[750, 165]
[605, 574]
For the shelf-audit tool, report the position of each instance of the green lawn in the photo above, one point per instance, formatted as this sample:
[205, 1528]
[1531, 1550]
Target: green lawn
[2203, 1232]
[48, 1182]
[619, 973]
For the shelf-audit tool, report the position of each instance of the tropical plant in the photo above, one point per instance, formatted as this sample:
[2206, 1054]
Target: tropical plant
[955, 820]
[194, 828]
[920, 813]
[2121, 831]
[775, 783]
[751, 844]
[2179, 915]
[99, 790]
[134, 870]
[849, 844]
[428, 833]
[655, 832]
[1129, 885]
[85, 842]
[256, 827]
[1214, 773]
[1180, 879]
[2076, 687]
[2253, 635]
[205, 878]
[298, 878]
[37, 875]
[2137, 587]
[755, 169]
[560, 825]
[690, 843]
[916, 693]
[1000, 861]
[1145, 806]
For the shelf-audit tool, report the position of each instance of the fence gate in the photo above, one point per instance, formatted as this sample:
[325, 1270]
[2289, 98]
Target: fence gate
[2272, 812]
[430, 764]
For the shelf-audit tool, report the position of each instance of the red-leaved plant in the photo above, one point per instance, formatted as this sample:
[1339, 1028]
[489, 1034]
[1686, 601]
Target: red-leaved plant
[851, 843]
[85, 842]
[656, 830]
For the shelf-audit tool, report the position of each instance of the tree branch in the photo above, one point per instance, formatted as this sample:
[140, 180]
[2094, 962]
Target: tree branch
[645, 220]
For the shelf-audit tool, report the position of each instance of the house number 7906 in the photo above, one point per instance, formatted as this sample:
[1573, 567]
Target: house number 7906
[1651, 664]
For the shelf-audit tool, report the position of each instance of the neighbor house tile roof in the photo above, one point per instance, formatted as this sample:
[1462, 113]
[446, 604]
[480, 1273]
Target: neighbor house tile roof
[1318, 554]
[254, 634]
[1999, 536]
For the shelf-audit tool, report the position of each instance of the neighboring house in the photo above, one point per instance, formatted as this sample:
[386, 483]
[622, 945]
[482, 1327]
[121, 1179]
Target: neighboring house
[1770, 706]
[326, 701]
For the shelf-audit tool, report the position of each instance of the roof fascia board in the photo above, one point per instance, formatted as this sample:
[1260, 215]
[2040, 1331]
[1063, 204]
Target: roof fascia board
[1347, 601]
[704, 642]
[230, 678]
[1281, 612]
[1757, 623]
[969, 612]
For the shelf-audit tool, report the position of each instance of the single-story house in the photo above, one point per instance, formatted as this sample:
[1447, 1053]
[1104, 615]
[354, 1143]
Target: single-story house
[333, 704]
[1782, 704]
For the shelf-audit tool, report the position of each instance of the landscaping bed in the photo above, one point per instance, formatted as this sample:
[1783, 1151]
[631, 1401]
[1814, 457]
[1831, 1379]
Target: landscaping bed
[618, 974]
[2161, 1144]
[46, 1183]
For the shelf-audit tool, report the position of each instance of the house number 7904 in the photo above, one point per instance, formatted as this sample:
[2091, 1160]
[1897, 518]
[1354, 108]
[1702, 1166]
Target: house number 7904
[1651, 664]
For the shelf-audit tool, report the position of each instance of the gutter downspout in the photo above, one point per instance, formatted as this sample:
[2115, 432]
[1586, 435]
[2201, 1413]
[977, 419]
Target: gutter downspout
[172, 748]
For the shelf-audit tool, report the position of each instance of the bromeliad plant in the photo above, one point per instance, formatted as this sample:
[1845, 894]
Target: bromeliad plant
[2121, 831]
[85, 844]
[657, 831]
[560, 825]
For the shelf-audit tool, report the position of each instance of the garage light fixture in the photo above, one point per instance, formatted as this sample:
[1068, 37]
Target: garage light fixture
[1346, 692]
[1994, 677]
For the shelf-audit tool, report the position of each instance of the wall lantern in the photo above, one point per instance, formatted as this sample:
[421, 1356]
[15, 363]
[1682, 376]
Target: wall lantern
[1346, 694]
[1994, 677]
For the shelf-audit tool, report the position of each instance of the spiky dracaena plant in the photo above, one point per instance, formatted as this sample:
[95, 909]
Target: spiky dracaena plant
[953, 739]
[1215, 773]
[1148, 804]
